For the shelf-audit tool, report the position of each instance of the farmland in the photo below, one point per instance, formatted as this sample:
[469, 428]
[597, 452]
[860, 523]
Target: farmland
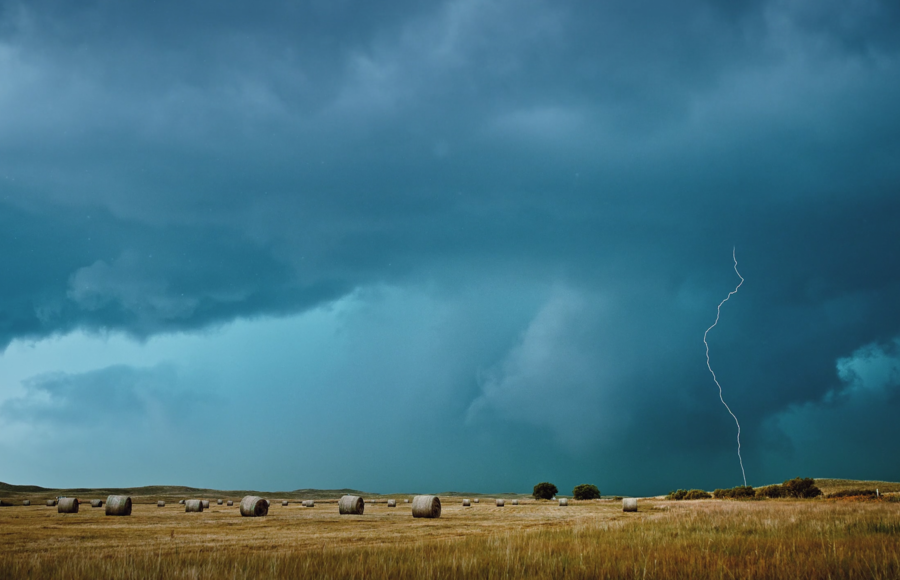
[590, 539]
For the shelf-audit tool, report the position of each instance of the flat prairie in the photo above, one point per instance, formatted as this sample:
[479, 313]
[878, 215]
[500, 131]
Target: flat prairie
[40, 529]
[806, 539]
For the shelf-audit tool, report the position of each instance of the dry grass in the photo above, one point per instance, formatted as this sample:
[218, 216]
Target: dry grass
[690, 539]
[833, 485]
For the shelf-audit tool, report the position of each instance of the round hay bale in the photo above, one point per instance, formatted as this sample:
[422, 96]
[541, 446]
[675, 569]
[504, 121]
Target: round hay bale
[426, 506]
[284, 503]
[51, 503]
[253, 506]
[193, 505]
[95, 503]
[230, 503]
[160, 504]
[629, 504]
[205, 503]
[500, 503]
[351, 505]
[5, 503]
[26, 502]
[515, 502]
[466, 503]
[475, 500]
[563, 502]
[310, 503]
[406, 501]
[67, 505]
[392, 503]
[118, 505]
[219, 502]
[181, 502]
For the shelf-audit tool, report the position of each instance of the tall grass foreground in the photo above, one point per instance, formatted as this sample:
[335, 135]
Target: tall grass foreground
[705, 539]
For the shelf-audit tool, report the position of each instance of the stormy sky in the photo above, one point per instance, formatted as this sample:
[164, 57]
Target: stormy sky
[461, 245]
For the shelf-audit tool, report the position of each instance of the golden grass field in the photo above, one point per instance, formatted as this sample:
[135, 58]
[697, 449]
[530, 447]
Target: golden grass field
[806, 539]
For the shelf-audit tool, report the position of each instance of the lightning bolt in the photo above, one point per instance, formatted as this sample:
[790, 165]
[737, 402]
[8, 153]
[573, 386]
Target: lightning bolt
[718, 310]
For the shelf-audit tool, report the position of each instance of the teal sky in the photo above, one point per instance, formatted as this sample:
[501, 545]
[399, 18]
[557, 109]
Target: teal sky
[459, 245]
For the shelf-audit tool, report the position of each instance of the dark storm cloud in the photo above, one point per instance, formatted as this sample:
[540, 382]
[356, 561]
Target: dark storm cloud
[67, 268]
[169, 166]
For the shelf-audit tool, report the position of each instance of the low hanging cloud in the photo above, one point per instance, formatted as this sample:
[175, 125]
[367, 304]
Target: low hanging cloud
[561, 374]
[831, 436]
[873, 369]
[124, 284]
[120, 396]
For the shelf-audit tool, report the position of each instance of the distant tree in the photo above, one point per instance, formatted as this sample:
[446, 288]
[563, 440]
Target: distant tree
[586, 491]
[677, 494]
[802, 488]
[544, 490]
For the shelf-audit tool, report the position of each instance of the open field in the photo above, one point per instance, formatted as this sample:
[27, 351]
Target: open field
[807, 539]
[832, 485]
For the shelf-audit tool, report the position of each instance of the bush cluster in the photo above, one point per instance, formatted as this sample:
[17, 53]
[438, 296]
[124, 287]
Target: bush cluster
[739, 492]
[772, 491]
[544, 490]
[586, 491]
[801, 488]
[685, 494]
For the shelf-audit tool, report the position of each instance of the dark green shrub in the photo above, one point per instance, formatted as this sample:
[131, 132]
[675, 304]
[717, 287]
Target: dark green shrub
[692, 494]
[772, 491]
[744, 491]
[544, 490]
[739, 492]
[585, 491]
[801, 488]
